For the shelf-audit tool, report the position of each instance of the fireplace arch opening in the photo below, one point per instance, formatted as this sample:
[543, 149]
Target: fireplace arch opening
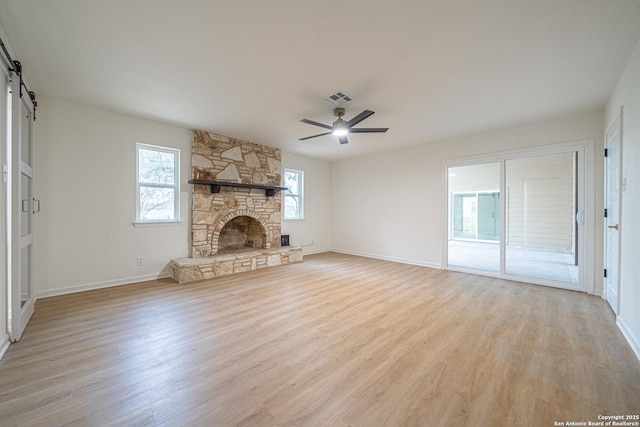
[241, 233]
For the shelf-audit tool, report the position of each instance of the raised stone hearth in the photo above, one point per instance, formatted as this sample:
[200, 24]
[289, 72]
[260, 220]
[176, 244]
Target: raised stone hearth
[187, 270]
[234, 228]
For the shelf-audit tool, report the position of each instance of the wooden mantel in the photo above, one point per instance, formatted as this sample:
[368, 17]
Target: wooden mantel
[269, 190]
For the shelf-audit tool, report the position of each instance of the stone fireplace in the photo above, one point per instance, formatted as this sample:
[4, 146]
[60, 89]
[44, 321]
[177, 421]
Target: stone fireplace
[235, 221]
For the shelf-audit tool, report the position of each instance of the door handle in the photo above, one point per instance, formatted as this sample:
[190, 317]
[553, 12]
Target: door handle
[615, 227]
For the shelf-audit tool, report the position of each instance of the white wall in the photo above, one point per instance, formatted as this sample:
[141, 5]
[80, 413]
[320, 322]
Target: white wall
[390, 205]
[627, 95]
[85, 178]
[541, 201]
[313, 233]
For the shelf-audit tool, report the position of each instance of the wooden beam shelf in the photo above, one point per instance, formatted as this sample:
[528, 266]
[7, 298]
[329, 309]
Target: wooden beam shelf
[269, 190]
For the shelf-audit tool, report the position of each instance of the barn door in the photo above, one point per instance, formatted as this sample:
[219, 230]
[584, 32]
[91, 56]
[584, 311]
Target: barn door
[23, 207]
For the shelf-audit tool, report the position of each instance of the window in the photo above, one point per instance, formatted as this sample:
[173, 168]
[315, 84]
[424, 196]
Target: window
[293, 203]
[157, 184]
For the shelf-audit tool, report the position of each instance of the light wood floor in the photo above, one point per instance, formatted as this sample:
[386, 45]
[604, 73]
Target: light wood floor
[337, 340]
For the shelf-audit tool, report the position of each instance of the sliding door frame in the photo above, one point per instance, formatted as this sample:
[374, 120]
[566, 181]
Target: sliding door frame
[585, 217]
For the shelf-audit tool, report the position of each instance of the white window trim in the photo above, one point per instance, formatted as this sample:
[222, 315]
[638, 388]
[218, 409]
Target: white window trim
[299, 196]
[175, 186]
[146, 224]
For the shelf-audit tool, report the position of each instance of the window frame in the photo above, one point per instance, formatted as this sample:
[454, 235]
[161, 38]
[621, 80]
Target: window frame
[175, 186]
[584, 175]
[299, 196]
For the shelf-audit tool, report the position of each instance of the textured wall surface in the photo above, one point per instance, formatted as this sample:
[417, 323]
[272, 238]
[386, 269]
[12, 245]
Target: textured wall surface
[219, 158]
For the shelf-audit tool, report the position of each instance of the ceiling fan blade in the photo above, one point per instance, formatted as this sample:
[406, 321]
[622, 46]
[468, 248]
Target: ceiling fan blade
[360, 117]
[343, 139]
[311, 122]
[367, 130]
[314, 136]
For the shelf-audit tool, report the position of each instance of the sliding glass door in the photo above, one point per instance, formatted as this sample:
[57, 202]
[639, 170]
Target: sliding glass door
[542, 231]
[519, 217]
[474, 218]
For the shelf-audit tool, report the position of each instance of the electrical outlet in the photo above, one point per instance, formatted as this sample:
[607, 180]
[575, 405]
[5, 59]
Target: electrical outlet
[140, 261]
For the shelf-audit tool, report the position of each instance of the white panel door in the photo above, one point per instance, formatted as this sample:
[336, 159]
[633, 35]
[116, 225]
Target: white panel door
[23, 206]
[612, 221]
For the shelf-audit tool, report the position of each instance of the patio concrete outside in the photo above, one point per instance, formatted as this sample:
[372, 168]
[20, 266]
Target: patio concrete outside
[549, 264]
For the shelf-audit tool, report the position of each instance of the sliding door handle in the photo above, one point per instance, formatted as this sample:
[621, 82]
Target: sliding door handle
[615, 227]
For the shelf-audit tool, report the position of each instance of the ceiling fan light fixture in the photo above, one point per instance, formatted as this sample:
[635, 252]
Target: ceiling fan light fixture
[341, 128]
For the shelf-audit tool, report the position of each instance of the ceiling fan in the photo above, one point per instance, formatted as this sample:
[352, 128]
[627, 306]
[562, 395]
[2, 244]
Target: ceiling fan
[341, 128]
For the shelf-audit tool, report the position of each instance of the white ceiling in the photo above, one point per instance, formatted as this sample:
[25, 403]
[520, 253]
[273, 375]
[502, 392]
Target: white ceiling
[250, 69]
